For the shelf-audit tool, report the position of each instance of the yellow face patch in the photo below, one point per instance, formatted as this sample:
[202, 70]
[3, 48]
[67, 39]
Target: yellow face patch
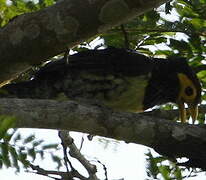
[187, 94]
[186, 83]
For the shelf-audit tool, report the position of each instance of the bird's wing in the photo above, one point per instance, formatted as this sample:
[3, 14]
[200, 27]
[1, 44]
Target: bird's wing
[116, 77]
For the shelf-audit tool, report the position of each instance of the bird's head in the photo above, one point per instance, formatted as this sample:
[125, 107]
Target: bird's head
[173, 80]
[189, 91]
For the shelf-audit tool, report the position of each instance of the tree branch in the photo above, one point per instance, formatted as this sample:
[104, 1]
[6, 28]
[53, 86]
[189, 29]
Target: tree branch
[74, 152]
[48, 173]
[166, 137]
[33, 37]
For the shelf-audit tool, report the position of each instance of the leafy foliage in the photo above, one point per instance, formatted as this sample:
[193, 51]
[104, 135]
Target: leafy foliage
[159, 167]
[10, 9]
[185, 36]
[156, 168]
[5, 123]
[16, 150]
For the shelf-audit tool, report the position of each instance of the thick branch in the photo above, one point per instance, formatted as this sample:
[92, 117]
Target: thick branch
[166, 137]
[33, 37]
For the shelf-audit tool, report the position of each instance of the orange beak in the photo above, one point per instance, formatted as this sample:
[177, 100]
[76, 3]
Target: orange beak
[193, 111]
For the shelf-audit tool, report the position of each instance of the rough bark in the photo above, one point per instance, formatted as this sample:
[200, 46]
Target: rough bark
[166, 137]
[31, 38]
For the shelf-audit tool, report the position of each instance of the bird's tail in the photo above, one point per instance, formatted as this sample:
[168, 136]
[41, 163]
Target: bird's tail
[26, 89]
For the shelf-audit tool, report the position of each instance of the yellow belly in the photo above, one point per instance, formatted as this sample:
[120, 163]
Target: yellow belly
[131, 98]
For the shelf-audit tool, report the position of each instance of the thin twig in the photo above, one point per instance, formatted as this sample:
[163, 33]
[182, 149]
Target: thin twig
[105, 169]
[82, 142]
[66, 55]
[44, 172]
[66, 159]
[126, 39]
[74, 152]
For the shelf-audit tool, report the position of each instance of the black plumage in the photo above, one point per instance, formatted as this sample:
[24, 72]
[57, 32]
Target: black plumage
[121, 79]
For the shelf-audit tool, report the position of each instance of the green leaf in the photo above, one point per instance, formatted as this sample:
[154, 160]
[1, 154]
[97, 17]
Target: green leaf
[167, 53]
[154, 41]
[195, 42]
[1, 162]
[165, 172]
[178, 173]
[45, 3]
[23, 159]
[144, 50]
[7, 137]
[115, 40]
[41, 153]
[186, 11]
[57, 160]
[37, 143]
[181, 45]
[152, 168]
[14, 157]
[6, 122]
[5, 154]
[29, 139]
[32, 154]
[50, 146]
[151, 18]
[168, 7]
[198, 23]
[17, 137]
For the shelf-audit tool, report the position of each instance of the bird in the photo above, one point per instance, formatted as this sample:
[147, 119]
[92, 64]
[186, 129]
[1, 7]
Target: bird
[121, 79]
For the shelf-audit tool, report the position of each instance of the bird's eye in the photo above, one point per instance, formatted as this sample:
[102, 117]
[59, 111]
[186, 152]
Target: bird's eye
[189, 91]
